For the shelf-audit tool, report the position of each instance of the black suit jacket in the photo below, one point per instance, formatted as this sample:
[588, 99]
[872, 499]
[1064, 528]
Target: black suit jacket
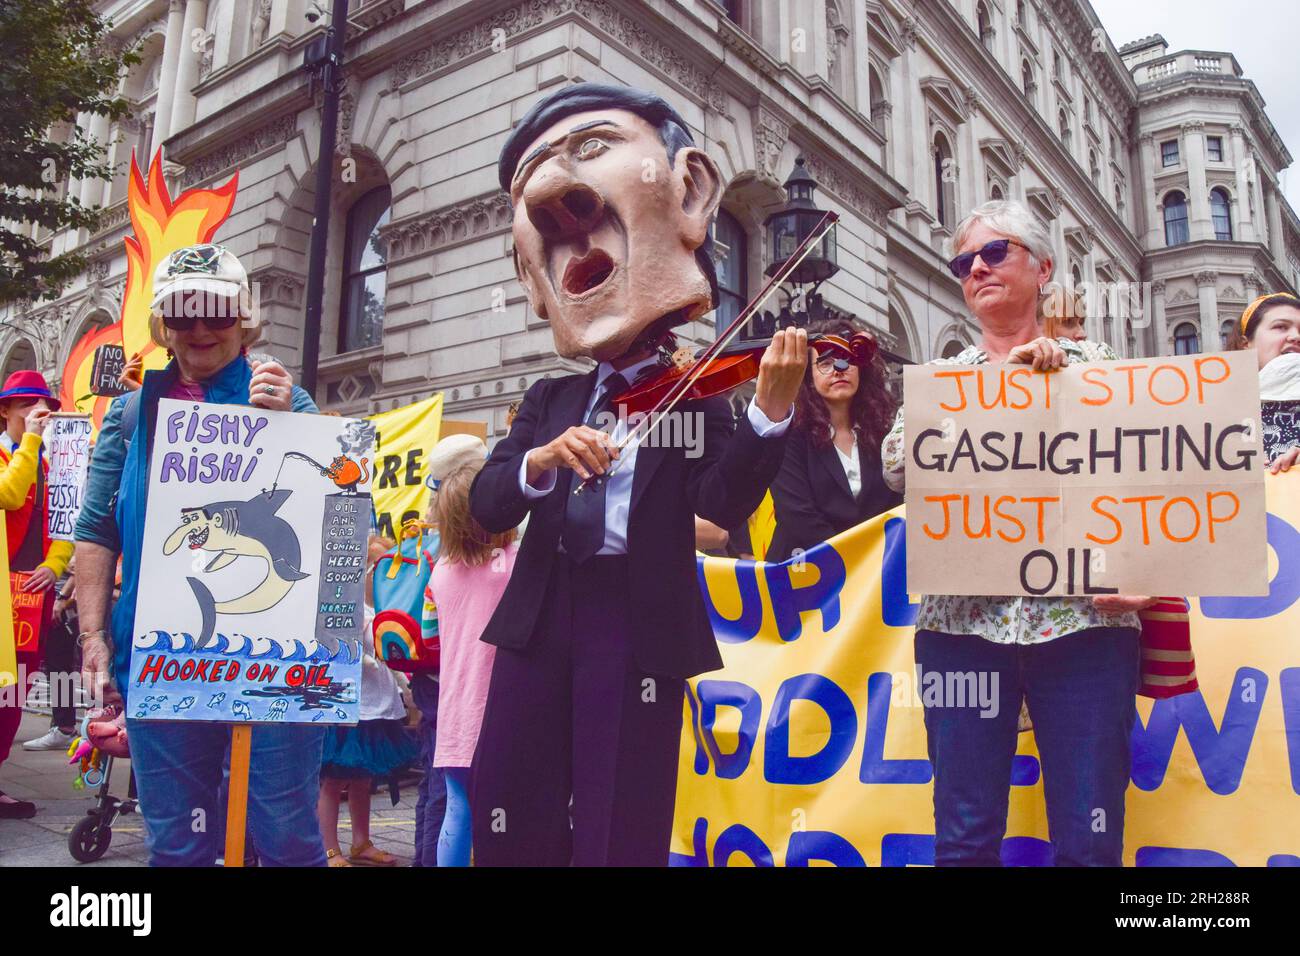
[812, 498]
[671, 634]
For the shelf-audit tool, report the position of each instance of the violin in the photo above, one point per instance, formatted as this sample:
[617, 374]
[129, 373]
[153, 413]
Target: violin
[734, 366]
[720, 367]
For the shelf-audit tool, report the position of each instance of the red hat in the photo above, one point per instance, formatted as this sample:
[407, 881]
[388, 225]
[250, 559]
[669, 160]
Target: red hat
[29, 384]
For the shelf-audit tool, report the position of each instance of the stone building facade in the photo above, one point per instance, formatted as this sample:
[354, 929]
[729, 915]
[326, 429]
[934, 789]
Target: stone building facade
[908, 113]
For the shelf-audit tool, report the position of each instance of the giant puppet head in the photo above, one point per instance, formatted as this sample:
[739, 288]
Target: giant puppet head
[612, 207]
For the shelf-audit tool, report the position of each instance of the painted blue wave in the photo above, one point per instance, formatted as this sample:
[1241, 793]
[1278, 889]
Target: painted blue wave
[222, 644]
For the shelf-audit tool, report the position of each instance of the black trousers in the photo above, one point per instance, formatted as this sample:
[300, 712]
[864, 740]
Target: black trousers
[60, 646]
[571, 715]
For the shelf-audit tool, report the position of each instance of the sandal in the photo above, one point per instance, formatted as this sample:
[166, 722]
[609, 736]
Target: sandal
[335, 858]
[367, 854]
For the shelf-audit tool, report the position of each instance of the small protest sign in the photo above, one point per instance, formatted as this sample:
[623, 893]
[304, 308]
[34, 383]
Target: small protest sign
[263, 516]
[1142, 476]
[105, 372]
[68, 447]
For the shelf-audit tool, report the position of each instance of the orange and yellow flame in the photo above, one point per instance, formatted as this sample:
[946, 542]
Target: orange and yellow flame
[161, 227]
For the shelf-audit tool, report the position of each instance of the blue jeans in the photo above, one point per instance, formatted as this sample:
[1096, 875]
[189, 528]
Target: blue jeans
[431, 799]
[455, 841]
[178, 768]
[1080, 690]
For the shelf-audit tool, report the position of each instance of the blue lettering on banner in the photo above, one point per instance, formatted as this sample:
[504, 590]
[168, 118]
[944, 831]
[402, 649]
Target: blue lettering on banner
[739, 838]
[1178, 856]
[1220, 753]
[725, 693]
[701, 756]
[896, 609]
[907, 849]
[822, 845]
[1288, 683]
[1283, 590]
[788, 601]
[876, 768]
[778, 764]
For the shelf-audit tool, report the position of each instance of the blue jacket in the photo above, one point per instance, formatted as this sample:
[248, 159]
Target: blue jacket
[117, 485]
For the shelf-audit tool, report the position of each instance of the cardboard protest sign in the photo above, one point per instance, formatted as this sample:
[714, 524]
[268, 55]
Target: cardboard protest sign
[67, 443]
[262, 517]
[28, 612]
[109, 364]
[1142, 476]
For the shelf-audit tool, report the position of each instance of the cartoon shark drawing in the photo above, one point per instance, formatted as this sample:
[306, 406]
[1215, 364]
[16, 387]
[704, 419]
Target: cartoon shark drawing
[239, 529]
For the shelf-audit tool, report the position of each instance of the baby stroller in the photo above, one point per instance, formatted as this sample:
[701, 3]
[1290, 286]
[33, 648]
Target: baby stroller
[90, 838]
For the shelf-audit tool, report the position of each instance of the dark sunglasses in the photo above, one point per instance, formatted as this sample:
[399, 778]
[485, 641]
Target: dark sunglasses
[993, 254]
[183, 323]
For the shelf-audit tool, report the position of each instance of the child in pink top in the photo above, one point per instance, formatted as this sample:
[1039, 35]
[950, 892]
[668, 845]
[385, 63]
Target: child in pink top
[468, 579]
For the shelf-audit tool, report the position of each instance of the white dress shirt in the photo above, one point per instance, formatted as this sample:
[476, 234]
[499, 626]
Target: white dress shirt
[851, 463]
[618, 497]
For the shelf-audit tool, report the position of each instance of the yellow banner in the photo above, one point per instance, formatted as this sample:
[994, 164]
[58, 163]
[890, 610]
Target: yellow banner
[809, 748]
[402, 445]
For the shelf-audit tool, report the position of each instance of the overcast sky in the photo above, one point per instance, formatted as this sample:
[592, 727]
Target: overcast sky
[1260, 33]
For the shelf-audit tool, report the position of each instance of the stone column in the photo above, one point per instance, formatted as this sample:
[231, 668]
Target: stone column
[1276, 243]
[187, 72]
[1150, 212]
[92, 190]
[1207, 294]
[1160, 324]
[1198, 201]
[1245, 224]
[175, 44]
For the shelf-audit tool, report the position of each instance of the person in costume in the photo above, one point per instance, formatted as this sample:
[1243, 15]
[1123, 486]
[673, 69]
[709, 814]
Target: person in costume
[25, 405]
[830, 479]
[202, 315]
[1271, 326]
[603, 620]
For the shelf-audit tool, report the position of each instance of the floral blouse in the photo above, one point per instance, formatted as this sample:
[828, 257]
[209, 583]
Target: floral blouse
[1002, 619]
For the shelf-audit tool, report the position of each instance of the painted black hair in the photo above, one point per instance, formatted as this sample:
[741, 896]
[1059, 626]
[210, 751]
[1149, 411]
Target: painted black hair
[582, 97]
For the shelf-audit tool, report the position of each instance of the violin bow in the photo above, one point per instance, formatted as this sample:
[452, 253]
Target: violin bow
[639, 432]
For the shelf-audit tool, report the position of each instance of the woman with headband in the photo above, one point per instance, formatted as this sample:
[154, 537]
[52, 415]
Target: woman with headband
[1271, 326]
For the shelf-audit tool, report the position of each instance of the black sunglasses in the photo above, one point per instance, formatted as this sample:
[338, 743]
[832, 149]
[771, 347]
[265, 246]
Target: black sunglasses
[183, 323]
[993, 254]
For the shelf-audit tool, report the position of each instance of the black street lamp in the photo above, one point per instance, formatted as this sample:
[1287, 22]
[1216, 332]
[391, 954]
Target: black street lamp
[786, 229]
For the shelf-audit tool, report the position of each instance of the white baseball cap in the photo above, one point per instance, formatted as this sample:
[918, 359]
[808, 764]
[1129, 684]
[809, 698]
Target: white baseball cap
[452, 452]
[207, 268]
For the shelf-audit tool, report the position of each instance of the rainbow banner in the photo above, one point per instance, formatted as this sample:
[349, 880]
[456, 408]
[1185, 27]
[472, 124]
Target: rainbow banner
[808, 747]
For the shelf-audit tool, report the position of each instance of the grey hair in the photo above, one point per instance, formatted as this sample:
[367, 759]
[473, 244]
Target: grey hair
[1012, 219]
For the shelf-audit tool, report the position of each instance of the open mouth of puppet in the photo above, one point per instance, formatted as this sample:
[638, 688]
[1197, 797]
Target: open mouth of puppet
[198, 539]
[586, 275]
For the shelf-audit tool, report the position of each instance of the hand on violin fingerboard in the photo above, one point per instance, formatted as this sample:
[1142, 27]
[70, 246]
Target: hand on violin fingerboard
[781, 372]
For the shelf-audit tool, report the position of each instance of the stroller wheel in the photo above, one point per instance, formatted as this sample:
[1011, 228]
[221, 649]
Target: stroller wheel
[89, 840]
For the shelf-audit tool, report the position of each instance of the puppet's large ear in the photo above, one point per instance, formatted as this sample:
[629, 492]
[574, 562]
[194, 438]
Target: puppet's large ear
[534, 299]
[701, 185]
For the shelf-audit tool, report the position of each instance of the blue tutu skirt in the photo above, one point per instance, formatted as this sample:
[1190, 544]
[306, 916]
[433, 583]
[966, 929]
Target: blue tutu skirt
[373, 748]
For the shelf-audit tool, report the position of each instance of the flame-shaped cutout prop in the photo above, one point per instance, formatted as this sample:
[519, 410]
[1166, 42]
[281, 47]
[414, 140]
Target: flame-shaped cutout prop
[161, 225]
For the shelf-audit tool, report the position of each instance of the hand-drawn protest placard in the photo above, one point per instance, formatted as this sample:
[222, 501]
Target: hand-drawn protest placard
[68, 446]
[1142, 476]
[250, 607]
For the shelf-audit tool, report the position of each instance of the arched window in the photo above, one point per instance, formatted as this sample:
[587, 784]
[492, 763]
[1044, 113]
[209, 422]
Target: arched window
[1175, 219]
[944, 174]
[1027, 79]
[1219, 214]
[1186, 339]
[984, 25]
[953, 349]
[365, 276]
[1094, 168]
[995, 192]
[732, 266]
[1225, 334]
[1022, 20]
[1063, 124]
[21, 357]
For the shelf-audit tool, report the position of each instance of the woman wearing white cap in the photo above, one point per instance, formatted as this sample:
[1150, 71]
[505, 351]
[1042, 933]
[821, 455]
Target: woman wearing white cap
[202, 315]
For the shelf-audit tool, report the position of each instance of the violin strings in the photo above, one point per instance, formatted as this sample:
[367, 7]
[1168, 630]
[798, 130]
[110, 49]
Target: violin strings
[642, 430]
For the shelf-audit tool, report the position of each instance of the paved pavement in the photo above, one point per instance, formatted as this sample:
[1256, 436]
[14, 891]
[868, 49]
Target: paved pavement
[46, 779]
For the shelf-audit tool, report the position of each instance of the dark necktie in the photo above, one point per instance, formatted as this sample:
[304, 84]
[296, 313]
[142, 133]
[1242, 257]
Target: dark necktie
[584, 514]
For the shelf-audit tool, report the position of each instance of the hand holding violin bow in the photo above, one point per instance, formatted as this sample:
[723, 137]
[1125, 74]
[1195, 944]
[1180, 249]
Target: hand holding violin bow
[781, 372]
